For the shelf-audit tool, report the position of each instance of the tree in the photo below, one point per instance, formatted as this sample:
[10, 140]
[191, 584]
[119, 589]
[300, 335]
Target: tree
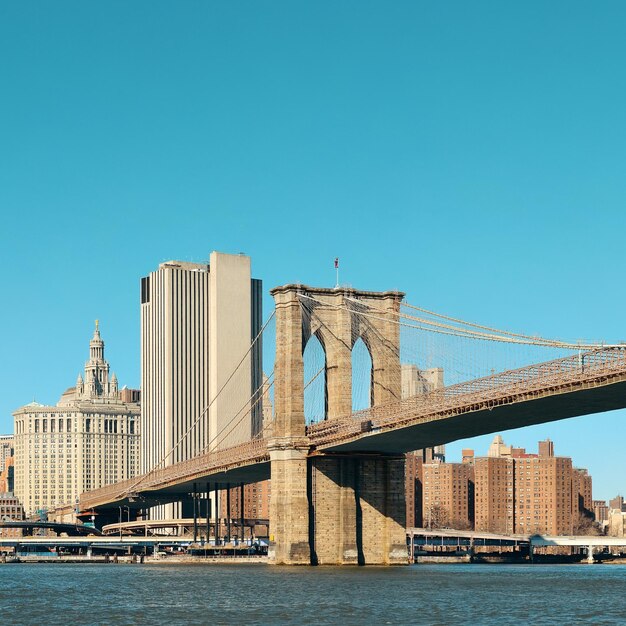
[437, 517]
[585, 525]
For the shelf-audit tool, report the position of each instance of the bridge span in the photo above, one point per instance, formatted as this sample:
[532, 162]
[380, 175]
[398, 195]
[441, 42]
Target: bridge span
[348, 471]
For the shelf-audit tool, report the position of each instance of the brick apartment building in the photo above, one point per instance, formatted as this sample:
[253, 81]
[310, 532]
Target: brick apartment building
[507, 491]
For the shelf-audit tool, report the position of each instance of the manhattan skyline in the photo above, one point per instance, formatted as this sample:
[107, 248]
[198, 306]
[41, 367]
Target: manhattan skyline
[475, 163]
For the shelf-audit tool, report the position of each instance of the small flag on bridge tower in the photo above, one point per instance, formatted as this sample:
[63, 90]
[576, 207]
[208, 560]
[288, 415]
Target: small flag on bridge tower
[337, 271]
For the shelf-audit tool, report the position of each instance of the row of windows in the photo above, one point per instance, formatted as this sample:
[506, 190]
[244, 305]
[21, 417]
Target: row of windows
[60, 424]
[53, 425]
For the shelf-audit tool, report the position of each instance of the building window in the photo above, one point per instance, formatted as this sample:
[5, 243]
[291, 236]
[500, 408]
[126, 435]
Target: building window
[145, 290]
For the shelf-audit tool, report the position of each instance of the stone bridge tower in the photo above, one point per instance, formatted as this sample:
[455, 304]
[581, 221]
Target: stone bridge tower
[334, 509]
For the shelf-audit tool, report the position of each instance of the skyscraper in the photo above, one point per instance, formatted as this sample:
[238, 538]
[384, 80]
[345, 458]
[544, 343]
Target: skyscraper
[197, 325]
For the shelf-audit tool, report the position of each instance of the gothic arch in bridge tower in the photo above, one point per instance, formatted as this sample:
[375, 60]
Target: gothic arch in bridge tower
[314, 369]
[362, 375]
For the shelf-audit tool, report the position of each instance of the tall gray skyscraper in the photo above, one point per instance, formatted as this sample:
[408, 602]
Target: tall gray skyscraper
[197, 325]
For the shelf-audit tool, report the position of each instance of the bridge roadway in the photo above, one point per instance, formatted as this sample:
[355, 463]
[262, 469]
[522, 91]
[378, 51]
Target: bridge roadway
[245, 463]
[592, 382]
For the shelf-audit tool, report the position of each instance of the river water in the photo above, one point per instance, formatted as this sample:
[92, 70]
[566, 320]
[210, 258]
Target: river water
[258, 594]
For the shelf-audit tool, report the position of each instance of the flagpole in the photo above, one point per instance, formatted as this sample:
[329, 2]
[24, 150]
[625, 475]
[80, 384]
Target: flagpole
[337, 272]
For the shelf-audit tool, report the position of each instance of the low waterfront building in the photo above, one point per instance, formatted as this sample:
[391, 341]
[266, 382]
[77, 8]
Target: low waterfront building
[88, 440]
[11, 509]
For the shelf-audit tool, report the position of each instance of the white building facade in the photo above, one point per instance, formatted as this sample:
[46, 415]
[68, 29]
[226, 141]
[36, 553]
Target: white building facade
[88, 440]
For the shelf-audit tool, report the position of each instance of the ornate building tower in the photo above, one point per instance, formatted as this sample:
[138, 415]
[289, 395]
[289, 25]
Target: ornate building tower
[97, 383]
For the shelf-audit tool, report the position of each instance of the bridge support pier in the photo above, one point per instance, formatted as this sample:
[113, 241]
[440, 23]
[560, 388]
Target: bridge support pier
[289, 507]
[358, 511]
[342, 510]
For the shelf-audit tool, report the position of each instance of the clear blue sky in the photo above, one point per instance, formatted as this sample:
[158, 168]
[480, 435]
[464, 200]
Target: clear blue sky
[471, 154]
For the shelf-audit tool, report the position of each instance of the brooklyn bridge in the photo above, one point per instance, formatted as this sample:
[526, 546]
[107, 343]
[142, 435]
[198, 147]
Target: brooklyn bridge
[337, 491]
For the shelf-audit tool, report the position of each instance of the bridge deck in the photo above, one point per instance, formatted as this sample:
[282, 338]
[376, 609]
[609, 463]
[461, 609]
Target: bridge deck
[245, 463]
[590, 383]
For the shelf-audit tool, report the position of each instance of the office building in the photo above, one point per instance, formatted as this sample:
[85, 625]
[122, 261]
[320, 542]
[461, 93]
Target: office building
[197, 325]
[88, 440]
[417, 382]
[616, 524]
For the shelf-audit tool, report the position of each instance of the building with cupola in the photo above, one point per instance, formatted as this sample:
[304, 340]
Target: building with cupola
[89, 439]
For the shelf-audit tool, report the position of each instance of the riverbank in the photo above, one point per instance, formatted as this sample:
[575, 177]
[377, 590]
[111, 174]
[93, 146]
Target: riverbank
[137, 560]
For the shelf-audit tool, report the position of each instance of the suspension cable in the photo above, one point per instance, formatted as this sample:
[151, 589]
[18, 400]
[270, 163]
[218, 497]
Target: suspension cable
[207, 408]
